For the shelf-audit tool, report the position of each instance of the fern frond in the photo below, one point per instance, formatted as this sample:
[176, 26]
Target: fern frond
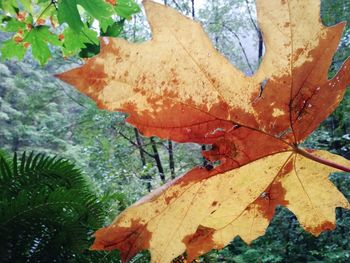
[48, 210]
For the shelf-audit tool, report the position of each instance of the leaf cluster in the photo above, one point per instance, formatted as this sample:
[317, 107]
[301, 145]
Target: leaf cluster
[72, 26]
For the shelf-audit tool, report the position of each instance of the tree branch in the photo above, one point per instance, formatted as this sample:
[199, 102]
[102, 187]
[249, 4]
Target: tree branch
[177, 6]
[140, 146]
[193, 10]
[242, 47]
[157, 159]
[251, 18]
[77, 102]
[171, 159]
[134, 144]
[258, 31]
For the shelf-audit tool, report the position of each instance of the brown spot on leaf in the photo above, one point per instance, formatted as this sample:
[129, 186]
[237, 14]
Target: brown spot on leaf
[40, 22]
[270, 198]
[128, 240]
[175, 81]
[316, 230]
[168, 199]
[18, 39]
[198, 243]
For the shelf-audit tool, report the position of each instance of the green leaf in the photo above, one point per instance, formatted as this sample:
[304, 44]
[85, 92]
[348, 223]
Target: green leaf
[68, 12]
[13, 25]
[48, 36]
[104, 24]
[29, 19]
[126, 8]
[44, 33]
[89, 51]
[89, 20]
[74, 42]
[11, 49]
[53, 39]
[27, 5]
[113, 30]
[38, 38]
[9, 6]
[46, 9]
[71, 43]
[88, 35]
[97, 8]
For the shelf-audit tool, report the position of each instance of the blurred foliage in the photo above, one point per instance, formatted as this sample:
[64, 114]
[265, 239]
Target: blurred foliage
[72, 26]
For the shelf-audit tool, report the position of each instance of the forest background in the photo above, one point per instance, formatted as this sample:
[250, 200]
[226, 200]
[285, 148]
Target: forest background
[50, 207]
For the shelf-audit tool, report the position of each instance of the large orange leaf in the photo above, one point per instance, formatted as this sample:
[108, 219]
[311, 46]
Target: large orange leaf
[178, 86]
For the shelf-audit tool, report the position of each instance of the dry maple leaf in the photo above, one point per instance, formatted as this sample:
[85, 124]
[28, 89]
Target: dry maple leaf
[177, 86]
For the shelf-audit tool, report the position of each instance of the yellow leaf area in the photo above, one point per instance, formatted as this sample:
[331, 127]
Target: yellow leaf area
[177, 86]
[199, 215]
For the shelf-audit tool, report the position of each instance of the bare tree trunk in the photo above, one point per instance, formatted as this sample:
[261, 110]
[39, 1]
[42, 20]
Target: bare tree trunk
[157, 159]
[171, 159]
[140, 146]
[242, 48]
[261, 46]
[260, 53]
[193, 10]
[139, 143]
[178, 6]
[258, 31]
[205, 161]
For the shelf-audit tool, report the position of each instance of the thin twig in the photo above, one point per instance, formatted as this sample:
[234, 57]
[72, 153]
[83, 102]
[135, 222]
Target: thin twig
[242, 47]
[258, 31]
[251, 18]
[134, 144]
[69, 96]
[177, 6]
[193, 12]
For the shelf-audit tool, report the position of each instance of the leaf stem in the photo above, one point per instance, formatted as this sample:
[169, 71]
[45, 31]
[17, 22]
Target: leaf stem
[42, 13]
[36, 21]
[321, 160]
